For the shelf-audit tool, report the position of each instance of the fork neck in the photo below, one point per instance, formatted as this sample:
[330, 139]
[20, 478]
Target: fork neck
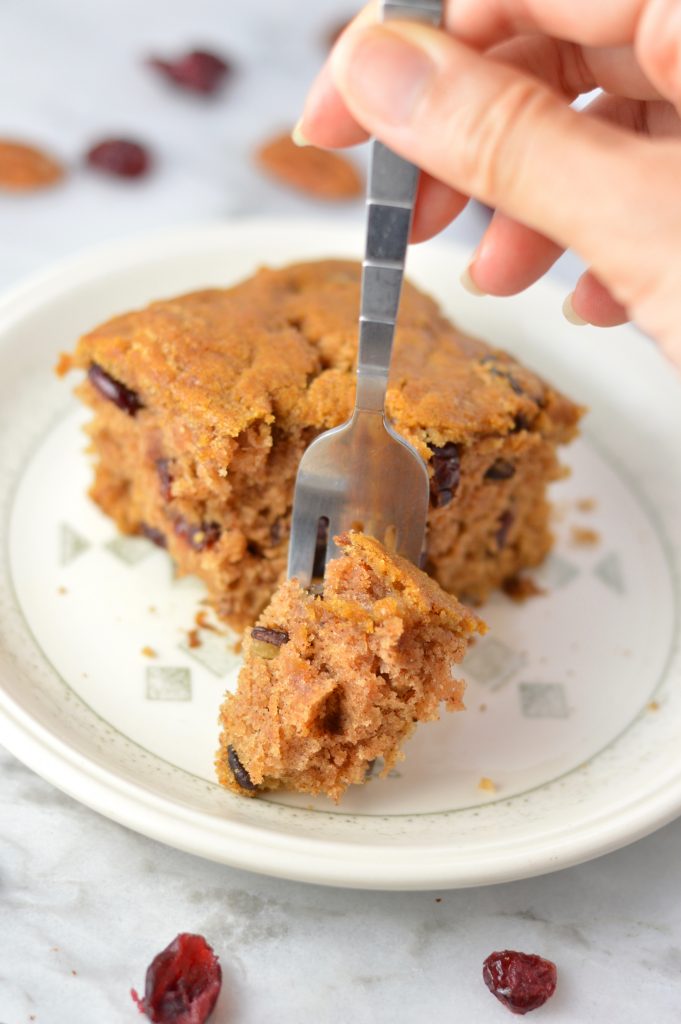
[390, 201]
[373, 363]
[391, 191]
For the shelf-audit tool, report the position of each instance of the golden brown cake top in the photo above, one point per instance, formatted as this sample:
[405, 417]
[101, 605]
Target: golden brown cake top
[282, 345]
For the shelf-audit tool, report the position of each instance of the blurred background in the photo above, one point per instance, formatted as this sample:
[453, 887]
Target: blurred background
[76, 72]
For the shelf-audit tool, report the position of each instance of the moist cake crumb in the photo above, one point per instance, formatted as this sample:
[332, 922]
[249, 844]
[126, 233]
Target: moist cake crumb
[331, 682]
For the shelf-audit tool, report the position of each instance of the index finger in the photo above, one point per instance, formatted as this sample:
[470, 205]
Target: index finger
[586, 23]
[327, 120]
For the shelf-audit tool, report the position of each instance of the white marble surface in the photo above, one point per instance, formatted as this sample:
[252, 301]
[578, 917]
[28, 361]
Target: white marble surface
[85, 904]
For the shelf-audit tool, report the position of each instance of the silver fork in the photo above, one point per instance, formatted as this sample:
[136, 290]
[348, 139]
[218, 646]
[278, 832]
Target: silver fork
[363, 475]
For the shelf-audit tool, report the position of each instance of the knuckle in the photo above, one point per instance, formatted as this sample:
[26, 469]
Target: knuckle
[495, 143]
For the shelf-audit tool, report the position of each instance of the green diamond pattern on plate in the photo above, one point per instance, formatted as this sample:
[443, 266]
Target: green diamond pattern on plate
[130, 550]
[71, 544]
[168, 683]
[213, 653]
[543, 700]
[609, 570]
[492, 662]
[556, 572]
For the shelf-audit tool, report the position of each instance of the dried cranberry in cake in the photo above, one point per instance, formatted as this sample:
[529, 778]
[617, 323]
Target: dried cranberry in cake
[165, 478]
[446, 465]
[108, 387]
[496, 368]
[505, 524]
[199, 537]
[521, 981]
[240, 774]
[266, 641]
[515, 386]
[119, 157]
[521, 422]
[278, 531]
[198, 71]
[278, 637]
[182, 983]
[501, 469]
[154, 535]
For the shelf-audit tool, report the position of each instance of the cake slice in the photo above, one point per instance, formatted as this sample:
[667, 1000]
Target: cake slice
[203, 405]
[332, 682]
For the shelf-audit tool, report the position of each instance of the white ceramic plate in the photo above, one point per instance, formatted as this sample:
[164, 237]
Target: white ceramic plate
[574, 699]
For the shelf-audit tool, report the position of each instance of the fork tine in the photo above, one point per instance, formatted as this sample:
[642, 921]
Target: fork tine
[334, 529]
[303, 540]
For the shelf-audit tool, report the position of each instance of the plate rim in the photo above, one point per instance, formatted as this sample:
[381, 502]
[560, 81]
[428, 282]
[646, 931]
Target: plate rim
[310, 859]
[250, 846]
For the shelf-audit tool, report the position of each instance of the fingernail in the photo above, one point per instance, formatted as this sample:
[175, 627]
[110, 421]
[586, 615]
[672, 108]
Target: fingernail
[383, 72]
[297, 134]
[569, 312]
[469, 284]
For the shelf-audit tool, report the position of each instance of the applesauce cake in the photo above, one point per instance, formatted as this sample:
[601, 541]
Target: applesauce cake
[333, 681]
[203, 405]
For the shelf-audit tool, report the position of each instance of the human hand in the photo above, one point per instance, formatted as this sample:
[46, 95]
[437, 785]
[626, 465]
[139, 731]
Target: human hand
[483, 108]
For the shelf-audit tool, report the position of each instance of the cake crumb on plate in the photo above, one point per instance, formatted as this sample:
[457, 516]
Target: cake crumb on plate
[201, 620]
[584, 536]
[193, 638]
[520, 588]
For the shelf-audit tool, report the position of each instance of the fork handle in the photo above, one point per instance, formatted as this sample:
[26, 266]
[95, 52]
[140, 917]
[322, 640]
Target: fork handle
[390, 198]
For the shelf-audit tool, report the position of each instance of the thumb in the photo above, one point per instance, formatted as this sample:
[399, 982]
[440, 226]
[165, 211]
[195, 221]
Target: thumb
[503, 136]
